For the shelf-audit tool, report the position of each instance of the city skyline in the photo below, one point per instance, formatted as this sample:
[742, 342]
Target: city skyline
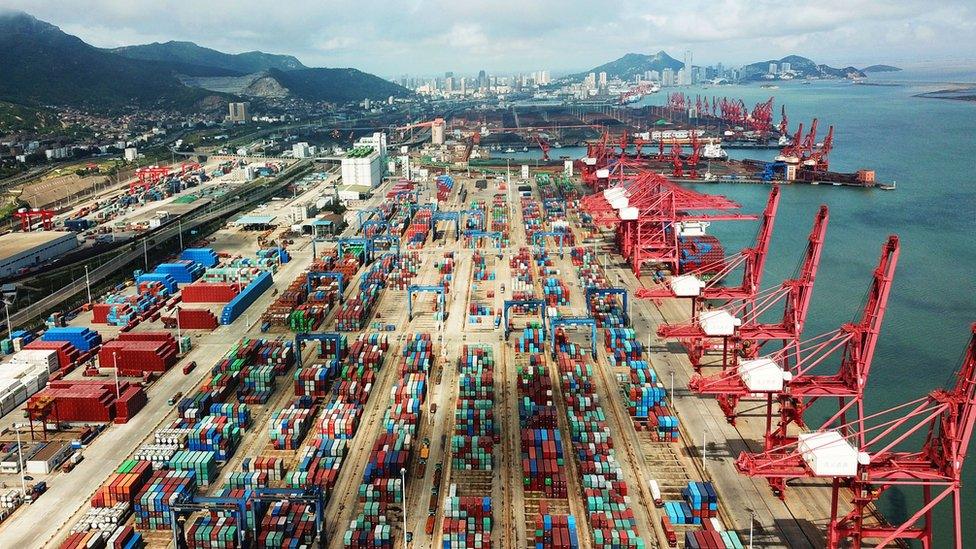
[474, 36]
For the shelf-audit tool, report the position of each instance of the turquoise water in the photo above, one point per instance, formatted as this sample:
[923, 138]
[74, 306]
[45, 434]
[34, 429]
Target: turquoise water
[927, 147]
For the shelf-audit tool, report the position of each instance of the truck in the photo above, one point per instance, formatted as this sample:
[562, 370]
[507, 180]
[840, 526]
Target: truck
[422, 458]
[36, 491]
[70, 463]
[175, 398]
[189, 367]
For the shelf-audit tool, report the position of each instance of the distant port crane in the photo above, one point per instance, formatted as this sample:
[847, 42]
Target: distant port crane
[871, 460]
[28, 215]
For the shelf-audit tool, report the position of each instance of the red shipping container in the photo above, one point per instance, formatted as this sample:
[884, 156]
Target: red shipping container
[67, 353]
[210, 292]
[197, 319]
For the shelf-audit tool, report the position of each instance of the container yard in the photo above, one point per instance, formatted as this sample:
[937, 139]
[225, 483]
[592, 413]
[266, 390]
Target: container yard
[540, 363]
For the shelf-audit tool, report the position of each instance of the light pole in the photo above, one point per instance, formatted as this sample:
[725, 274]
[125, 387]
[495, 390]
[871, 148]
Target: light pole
[704, 447]
[6, 309]
[20, 459]
[752, 519]
[145, 253]
[88, 284]
[115, 360]
[672, 391]
[179, 332]
[403, 479]
[180, 223]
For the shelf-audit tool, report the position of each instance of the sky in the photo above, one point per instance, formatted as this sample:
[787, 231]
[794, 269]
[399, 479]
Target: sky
[397, 37]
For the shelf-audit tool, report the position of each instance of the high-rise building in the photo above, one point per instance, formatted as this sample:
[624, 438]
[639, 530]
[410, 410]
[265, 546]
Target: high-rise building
[688, 73]
[667, 77]
[237, 112]
[785, 67]
[654, 76]
[589, 82]
[449, 74]
[679, 79]
[772, 68]
[482, 79]
[603, 79]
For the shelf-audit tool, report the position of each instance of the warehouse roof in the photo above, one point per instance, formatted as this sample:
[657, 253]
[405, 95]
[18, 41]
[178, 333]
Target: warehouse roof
[12, 244]
[255, 220]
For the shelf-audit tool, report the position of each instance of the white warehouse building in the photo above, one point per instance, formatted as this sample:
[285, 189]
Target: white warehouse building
[362, 166]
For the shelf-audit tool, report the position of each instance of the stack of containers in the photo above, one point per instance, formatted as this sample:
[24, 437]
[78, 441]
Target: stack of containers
[206, 257]
[480, 270]
[556, 532]
[164, 488]
[217, 435]
[196, 319]
[259, 383]
[354, 312]
[288, 427]
[543, 462]
[530, 340]
[166, 280]
[135, 353]
[183, 271]
[83, 339]
[123, 485]
[211, 531]
[474, 430]
[381, 485]
[244, 299]
[556, 292]
[698, 252]
[287, 524]
[467, 521]
[318, 464]
[445, 184]
[201, 463]
[605, 492]
[419, 227]
[210, 292]
[67, 353]
[272, 467]
[623, 344]
[702, 500]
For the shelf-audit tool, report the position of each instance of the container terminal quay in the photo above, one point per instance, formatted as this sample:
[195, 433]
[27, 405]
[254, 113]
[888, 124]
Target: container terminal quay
[424, 347]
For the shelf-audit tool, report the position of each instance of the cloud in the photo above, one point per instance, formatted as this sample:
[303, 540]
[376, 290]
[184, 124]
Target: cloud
[431, 36]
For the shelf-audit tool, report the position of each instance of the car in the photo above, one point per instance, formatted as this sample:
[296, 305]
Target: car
[28, 478]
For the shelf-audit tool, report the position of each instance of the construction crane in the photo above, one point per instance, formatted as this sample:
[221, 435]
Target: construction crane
[27, 217]
[784, 123]
[943, 420]
[739, 327]
[789, 377]
[752, 261]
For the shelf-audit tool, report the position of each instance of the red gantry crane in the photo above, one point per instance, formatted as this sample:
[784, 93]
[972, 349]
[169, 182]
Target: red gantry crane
[147, 177]
[544, 145]
[740, 325]
[752, 261]
[943, 419]
[27, 217]
[788, 377]
[646, 208]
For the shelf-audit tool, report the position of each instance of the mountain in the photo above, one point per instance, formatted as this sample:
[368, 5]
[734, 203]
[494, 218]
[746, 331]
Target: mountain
[192, 55]
[337, 85]
[41, 65]
[801, 66]
[634, 64]
[880, 68]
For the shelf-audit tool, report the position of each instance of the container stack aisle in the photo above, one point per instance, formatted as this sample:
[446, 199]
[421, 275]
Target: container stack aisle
[380, 501]
[467, 522]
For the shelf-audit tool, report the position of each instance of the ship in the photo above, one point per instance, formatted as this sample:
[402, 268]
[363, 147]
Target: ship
[714, 151]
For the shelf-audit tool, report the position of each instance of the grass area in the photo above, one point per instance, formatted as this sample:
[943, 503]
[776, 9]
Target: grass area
[15, 118]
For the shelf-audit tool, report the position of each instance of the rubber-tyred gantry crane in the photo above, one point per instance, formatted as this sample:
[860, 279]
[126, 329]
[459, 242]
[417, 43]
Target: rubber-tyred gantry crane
[28, 215]
[751, 260]
[739, 327]
[943, 419]
[147, 177]
[796, 381]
